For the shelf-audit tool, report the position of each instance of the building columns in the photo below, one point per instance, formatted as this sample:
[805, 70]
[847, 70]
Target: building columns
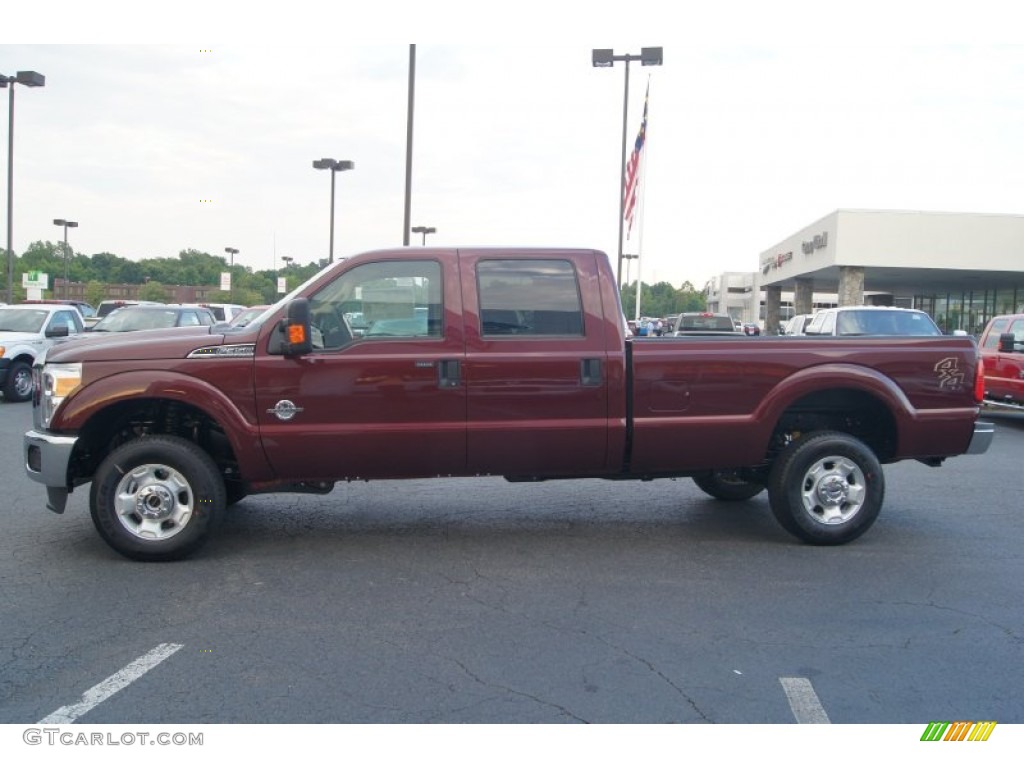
[772, 306]
[851, 286]
[803, 297]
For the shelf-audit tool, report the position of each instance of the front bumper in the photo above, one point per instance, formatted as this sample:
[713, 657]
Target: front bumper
[984, 431]
[47, 458]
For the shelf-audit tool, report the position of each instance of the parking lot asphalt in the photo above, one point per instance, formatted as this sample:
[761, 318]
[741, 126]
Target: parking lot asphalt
[479, 601]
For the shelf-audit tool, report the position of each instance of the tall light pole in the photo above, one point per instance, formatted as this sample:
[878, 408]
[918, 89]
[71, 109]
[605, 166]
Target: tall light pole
[231, 269]
[408, 144]
[606, 57]
[424, 231]
[65, 223]
[333, 166]
[31, 80]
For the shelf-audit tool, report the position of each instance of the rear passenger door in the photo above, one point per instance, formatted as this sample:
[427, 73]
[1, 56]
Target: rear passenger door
[536, 368]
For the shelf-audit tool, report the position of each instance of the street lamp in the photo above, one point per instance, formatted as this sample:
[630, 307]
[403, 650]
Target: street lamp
[231, 282]
[31, 80]
[65, 223]
[606, 57]
[334, 166]
[424, 231]
[287, 261]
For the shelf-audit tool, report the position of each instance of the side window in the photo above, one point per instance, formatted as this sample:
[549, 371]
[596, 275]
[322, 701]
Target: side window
[380, 300]
[998, 327]
[63, 320]
[529, 297]
[189, 318]
[1017, 329]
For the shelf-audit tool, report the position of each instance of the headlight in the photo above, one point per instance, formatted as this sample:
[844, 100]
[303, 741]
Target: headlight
[57, 381]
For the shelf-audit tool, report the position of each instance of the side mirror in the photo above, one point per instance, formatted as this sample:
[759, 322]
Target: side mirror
[62, 330]
[1007, 342]
[296, 329]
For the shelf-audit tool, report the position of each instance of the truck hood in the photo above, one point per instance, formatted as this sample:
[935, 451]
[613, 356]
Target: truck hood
[10, 338]
[169, 343]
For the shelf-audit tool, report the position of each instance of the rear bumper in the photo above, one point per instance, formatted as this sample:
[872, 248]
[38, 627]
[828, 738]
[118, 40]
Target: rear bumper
[46, 461]
[984, 431]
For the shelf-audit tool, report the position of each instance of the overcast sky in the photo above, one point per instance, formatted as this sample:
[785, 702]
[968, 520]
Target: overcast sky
[758, 126]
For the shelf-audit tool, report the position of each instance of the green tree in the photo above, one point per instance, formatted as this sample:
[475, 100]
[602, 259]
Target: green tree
[95, 292]
[153, 291]
[662, 300]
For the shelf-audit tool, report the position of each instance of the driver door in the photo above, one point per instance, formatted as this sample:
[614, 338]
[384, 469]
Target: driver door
[381, 394]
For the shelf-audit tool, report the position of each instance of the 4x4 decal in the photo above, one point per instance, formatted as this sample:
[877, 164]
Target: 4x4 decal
[949, 373]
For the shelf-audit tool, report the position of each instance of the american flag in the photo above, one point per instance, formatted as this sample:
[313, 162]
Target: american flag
[633, 169]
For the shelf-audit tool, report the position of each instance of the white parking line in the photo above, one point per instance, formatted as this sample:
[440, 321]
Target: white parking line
[803, 700]
[113, 684]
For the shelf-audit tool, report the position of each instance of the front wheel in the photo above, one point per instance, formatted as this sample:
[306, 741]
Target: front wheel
[727, 485]
[156, 498]
[18, 387]
[826, 488]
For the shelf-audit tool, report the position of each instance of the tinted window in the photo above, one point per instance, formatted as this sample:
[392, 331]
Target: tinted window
[529, 297]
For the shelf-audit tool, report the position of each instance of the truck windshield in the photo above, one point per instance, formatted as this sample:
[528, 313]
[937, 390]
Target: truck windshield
[22, 320]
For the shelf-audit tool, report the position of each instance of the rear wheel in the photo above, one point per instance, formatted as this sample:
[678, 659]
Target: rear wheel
[826, 488]
[156, 498]
[18, 387]
[727, 485]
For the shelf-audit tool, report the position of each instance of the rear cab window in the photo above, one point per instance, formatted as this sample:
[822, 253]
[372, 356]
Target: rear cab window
[529, 297]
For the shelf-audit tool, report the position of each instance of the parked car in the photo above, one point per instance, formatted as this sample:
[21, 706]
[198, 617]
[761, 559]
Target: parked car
[222, 312]
[751, 329]
[796, 324]
[110, 305]
[247, 315]
[704, 324]
[84, 308]
[151, 318]
[25, 332]
[871, 321]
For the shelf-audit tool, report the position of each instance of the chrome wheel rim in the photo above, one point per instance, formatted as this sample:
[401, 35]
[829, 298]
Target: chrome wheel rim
[23, 383]
[154, 502]
[833, 490]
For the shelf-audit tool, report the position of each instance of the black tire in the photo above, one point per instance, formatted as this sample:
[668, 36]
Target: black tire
[173, 480]
[826, 488]
[18, 387]
[727, 485]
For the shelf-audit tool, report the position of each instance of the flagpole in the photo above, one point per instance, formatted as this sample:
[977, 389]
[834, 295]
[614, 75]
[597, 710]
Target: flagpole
[622, 176]
[643, 196]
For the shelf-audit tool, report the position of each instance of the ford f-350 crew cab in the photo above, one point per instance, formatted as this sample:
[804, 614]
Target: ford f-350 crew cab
[467, 362]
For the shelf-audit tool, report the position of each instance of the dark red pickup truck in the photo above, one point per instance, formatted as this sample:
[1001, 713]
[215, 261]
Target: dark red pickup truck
[463, 362]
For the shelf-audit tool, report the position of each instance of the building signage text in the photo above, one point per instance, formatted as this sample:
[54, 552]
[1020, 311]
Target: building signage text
[819, 241]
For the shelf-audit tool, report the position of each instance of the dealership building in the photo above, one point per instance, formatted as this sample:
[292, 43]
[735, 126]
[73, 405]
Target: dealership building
[960, 268]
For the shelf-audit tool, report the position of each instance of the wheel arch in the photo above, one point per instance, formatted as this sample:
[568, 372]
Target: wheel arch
[112, 410]
[843, 398]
